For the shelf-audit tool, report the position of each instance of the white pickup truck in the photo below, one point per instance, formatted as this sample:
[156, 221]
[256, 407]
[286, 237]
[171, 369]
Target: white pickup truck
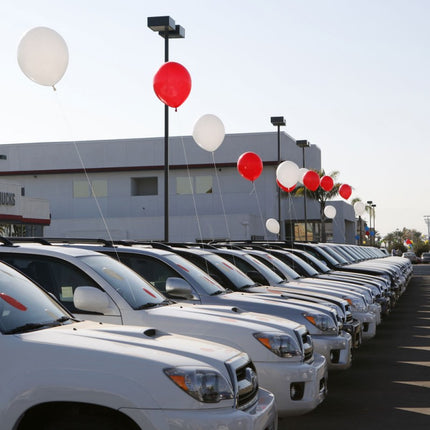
[60, 373]
[96, 287]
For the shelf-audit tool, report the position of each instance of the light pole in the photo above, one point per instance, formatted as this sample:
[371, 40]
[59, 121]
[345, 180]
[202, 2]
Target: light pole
[167, 29]
[372, 207]
[304, 144]
[427, 220]
[374, 224]
[278, 121]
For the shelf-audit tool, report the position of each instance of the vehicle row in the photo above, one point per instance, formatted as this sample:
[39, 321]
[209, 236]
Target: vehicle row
[200, 318]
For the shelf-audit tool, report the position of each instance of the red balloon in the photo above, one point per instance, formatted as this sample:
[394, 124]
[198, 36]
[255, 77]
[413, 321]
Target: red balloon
[288, 190]
[345, 191]
[327, 183]
[250, 166]
[172, 84]
[311, 180]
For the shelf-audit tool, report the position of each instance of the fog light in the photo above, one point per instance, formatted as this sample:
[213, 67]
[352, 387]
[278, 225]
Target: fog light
[334, 355]
[323, 386]
[297, 390]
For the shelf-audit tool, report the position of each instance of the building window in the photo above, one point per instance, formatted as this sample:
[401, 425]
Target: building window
[196, 184]
[203, 184]
[99, 188]
[184, 185]
[82, 189]
[144, 186]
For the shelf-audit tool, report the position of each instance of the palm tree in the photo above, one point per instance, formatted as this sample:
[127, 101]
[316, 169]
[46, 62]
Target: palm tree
[321, 196]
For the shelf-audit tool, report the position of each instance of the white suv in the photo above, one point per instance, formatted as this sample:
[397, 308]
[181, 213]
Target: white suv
[59, 373]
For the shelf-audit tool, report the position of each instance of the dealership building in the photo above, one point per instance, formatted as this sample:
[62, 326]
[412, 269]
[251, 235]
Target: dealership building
[114, 189]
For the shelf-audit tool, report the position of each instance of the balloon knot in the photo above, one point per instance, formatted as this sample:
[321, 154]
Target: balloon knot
[53, 87]
[176, 109]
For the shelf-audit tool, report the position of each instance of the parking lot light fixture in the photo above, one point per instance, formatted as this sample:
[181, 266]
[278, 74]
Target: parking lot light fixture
[278, 121]
[167, 29]
[304, 144]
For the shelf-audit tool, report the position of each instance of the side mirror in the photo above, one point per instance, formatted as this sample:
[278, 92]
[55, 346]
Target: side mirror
[180, 288]
[92, 299]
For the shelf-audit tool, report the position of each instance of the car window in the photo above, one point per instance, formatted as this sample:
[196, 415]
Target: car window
[154, 271]
[58, 277]
[23, 304]
[135, 290]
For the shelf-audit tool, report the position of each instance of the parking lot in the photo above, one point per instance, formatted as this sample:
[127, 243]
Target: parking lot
[388, 385]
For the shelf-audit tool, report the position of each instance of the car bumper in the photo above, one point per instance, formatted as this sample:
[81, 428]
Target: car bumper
[376, 309]
[355, 330]
[368, 324]
[385, 304]
[335, 349]
[307, 381]
[262, 416]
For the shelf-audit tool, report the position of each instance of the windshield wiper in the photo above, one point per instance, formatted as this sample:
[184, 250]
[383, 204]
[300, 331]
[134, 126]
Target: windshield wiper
[66, 318]
[244, 287]
[152, 305]
[32, 327]
[218, 292]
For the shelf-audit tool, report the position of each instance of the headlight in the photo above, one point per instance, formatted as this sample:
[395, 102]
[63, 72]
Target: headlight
[357, 304]
[322, 322]
[282, 345]
[205, 385]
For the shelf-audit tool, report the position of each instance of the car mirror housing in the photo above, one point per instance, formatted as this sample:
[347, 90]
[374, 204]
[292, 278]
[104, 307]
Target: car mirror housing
[92, 299]
[180, 288]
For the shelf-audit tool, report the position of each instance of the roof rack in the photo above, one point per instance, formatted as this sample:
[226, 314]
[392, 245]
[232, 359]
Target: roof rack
[63, 240]
[5, 241]
[10, 241]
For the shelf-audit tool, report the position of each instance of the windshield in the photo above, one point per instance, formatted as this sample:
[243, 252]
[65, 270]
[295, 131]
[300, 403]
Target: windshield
[312, 260]
[135, 290]
[188, 269]
[248, 263]
[277, 266]
[297, 263]
[335, 255]
[321, 253]
[233, 273]
[24, 306]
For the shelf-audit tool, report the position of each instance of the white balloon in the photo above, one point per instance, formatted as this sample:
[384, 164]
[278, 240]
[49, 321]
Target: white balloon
[209, 132]
[287, 174]
[330, 211]
[359, 208]
[302, 172]
[272, 225]
[43, 56]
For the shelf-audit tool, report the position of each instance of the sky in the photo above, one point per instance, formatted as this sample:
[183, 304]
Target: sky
[352, 77]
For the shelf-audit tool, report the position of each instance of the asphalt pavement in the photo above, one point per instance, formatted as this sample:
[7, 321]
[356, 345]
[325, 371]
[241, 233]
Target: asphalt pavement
[388, 385]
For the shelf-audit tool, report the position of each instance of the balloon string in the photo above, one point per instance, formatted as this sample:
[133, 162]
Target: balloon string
[254, 190]
[84, 170]
[93, 195]
[192, 190]
[292, 215]
[220, 193]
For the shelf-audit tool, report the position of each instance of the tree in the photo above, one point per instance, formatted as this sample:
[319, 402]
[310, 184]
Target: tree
[321, 197]
[398, 238]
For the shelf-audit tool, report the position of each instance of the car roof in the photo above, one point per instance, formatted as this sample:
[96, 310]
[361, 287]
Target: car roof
[135, 249]
[36, 248]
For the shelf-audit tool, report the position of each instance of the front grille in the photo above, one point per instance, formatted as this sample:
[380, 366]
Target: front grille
[306, 343]
[244, 376]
